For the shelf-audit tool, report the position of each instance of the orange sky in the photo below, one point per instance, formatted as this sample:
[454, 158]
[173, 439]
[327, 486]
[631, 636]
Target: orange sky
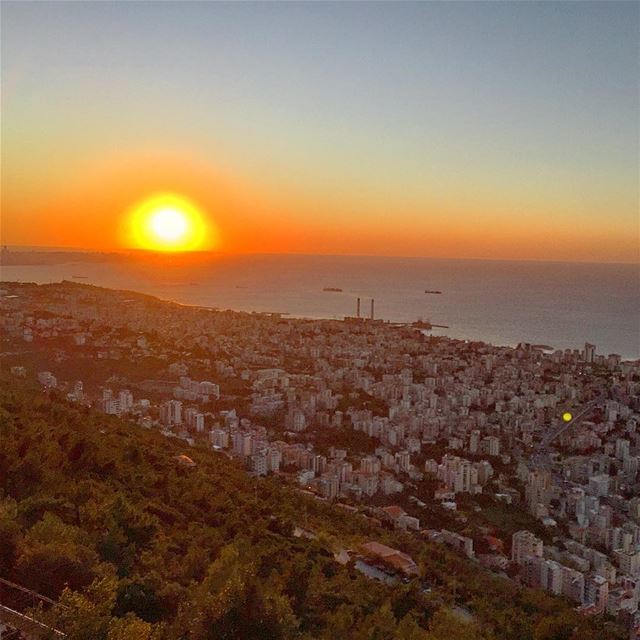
[257, 214]
[385, 129]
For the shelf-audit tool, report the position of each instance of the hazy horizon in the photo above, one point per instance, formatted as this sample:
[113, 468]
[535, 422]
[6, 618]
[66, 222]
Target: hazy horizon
[217, 252]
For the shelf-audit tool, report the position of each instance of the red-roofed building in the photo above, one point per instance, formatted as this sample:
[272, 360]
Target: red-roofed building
[399, 517]
[391, 557]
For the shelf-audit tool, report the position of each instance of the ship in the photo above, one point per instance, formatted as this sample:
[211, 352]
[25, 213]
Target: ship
[80, 277]
[422, 324]
[432, 291]
[335, 289]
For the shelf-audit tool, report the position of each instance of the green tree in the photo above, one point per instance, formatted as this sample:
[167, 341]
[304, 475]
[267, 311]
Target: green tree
[131, 628]
[10, 537]
[409, 629]
[49, 568]
[380, 625]
[87, 615]
[445, 625]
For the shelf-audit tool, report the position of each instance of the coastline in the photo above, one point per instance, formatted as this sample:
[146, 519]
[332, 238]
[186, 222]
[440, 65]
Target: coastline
[545, 348]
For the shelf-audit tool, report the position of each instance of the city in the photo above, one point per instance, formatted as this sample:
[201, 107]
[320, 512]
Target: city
[442, 438]
[320, 320]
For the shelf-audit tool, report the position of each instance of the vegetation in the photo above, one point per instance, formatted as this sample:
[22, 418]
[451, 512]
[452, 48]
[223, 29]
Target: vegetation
[99, 515]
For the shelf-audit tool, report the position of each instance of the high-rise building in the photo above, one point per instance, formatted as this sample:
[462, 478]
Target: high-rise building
[112, 407]
[370, 464]
[125, 398]
[573, 584]
[219, 439]
[538, 489]
[622, 448]
[551, 576]
[531, 570]
[329, 486]
[589, 352]
[576, 504]
[597, 592]
[258, 464]
[525, 544]
[171, 412]
[599, 485]
[403, 460]
[296, 420]
[628, 562]
[490, 446]
[274, 458]
[242, 443]
[209, 390]
[198, 422]
[458, 474]
[78, 390]
[474, 441]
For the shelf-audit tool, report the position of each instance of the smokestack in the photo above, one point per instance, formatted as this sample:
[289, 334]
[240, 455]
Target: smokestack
[372, 308]
[358, 309]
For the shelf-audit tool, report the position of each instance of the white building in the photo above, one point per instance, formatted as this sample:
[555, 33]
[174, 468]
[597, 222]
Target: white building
[125, 398]
[525, 544]
[171, 412]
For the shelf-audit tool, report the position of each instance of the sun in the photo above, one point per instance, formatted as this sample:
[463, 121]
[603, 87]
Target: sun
[169, 225]
[169, 222]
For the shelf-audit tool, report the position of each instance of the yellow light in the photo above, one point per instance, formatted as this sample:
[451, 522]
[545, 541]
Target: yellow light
[168, 222]
[567, 416]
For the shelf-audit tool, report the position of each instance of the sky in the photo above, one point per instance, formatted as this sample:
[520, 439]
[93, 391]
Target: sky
[506, 130]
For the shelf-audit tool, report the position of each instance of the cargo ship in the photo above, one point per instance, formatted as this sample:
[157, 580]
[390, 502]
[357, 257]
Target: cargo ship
[428, 325]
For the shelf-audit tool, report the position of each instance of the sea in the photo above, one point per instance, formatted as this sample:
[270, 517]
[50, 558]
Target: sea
[557, 304]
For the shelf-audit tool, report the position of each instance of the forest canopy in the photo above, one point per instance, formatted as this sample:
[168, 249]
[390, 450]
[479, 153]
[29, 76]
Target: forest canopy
[99, 515]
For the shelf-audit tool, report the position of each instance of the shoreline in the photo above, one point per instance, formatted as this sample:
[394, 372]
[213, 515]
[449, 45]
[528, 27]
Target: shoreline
[545, 348]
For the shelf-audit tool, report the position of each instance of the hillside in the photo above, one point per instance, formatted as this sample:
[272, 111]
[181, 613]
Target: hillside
[103, 517]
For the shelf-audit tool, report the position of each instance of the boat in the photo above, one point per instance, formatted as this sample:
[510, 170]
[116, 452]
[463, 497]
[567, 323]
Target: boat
[432, 291]
[80, 277]
[336, 289]
[421, 323]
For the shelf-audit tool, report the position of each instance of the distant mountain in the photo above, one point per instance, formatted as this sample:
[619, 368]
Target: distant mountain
[23, 257]
[13, 257]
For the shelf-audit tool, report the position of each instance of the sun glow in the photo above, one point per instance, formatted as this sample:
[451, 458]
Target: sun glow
[168, 222]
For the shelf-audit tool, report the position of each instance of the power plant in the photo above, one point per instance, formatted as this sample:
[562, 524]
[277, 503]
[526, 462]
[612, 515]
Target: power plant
[359, 316]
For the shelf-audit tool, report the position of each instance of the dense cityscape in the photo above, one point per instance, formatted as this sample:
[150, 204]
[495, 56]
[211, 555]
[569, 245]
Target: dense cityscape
[320, 320]
[445, 440]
